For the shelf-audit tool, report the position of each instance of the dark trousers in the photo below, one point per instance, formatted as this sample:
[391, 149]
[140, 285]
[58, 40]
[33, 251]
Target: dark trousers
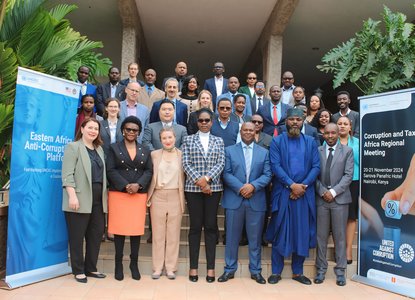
[89, 226]
[119, 247]
[203, 211]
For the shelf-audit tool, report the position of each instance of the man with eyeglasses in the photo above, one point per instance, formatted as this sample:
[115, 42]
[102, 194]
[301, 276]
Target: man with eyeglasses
[249, 89]
[233, 86]
[287, 87]
[259, 97]
[218, 84]
[131, 107]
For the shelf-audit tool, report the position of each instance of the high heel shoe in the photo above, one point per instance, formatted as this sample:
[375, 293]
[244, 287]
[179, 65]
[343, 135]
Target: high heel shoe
[210, 279]
[195, 277]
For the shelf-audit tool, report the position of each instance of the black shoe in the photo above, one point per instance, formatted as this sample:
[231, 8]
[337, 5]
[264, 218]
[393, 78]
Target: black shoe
[226, 276]
[81, 280]
[341, 280]
[135, 273]
[274, 278]
[319, 278]
[258, 278]
[95, 275]
[210, 279]
[349, 261]
[302, 279]
[119, 272]
[193, 278]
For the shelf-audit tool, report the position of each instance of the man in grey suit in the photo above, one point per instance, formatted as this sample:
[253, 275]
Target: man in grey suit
[343, 102]
[332, 199]
[113, 89]
[151, 137]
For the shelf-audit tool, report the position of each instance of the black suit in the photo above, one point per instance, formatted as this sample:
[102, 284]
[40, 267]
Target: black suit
[104, 92]
[254, 107]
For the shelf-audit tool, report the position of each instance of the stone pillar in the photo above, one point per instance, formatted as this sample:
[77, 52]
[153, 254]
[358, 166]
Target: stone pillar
[128, 49]
[272, 60]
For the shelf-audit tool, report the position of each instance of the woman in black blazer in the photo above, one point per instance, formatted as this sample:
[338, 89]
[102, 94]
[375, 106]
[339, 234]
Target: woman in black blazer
[129, 174]
[110, 130]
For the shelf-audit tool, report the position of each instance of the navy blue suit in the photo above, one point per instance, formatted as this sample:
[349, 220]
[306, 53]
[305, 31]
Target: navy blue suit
[265, 112]
[240, 210]
[180, 108]
[211, 87]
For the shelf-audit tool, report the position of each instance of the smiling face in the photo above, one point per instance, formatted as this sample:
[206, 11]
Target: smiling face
[132, 90]
[343, 101]
[345, 127]
[248, 133]
[167, 139]
[331, 134]
[112, 108]
[192, 85]
[205, 100]
[166, 112]
[172, 89]
[240, 104]
[131, 131]
[90, 131]
[324, 118]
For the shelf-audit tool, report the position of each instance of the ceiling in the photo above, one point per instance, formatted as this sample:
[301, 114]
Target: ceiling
[229, 30]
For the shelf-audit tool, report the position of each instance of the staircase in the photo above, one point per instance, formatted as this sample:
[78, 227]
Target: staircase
[107, 252]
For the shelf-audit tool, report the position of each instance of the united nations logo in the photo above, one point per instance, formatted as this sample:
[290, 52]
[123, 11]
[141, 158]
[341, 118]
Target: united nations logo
[406, 253]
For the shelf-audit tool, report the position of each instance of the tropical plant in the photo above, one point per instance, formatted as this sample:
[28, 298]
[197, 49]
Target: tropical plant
[376, 59]
[36, 38]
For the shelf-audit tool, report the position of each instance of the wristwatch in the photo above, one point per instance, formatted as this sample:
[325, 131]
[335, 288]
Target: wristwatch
[208, 179]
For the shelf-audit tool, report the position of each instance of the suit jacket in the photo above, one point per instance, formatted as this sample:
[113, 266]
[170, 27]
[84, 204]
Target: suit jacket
[180, 108]
[142, 113]
[196, 163]
[104, 92]
[341, 174]
[90, 89]
[236, 119]
[254, 107]
[308, 130]
[76, 173]
[354, 118]
[156, 158]
[264, 140]
[265, 112]
[123, 170]
[147, 100]
[247, 110]
[211, 87]
[245, 90]
[234, 177]
[151, 137]
[106, 134]
[126, 81]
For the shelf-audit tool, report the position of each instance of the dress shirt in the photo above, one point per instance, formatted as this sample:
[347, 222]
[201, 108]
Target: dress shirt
[131, 110]
[113, 130]
[258, 104]
[113, 89]
[149, 89]
[219, 85]
[287, 94]
[167, 124]
[204, 140]
[278, 110]
[333, 192]
[347, 113]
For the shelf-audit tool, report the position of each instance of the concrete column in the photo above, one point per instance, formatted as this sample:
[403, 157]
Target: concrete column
[272, 60]
[128, 49]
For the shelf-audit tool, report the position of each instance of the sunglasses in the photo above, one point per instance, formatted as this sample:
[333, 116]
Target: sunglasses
[287, 78]
[251, 77]
[225, 108]
[203, 120]
[131, 130]
[257, 122]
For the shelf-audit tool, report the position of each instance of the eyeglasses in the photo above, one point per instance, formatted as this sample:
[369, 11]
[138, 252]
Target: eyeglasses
[131, 130]
[251, 78]
[256, 122]
[224, 108]
[203, 120]
[218, 67]
[134, 91]
[287, 78]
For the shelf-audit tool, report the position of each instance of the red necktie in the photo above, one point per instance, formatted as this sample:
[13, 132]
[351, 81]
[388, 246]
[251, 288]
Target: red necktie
[275, 118]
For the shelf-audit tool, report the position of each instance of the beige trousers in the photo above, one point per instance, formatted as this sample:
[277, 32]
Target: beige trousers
[166, 219]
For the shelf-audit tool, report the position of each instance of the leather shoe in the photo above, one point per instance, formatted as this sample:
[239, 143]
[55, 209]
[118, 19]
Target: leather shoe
[274, 278]
[319, 278]
[193, 278]
[258, 278]
[341, 280]
[95, 275]
[82, 279]
[226, 276]
[210, 279]
[302, 279]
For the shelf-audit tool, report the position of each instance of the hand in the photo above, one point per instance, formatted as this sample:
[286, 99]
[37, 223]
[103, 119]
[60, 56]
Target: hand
[207, 190]
[73, 202]
[247, 190]
[328, 197]
[132, 188]
[405, 193]
[297, 190]
[201, 182]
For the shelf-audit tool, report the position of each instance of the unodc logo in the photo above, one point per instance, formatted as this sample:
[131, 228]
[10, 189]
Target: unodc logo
[406, 253]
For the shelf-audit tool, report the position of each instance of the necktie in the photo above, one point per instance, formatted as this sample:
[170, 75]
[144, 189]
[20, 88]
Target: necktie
[327, 182]
[259, 102]
[275, 119]
[248, 162]
[149, 90]
[83, 89]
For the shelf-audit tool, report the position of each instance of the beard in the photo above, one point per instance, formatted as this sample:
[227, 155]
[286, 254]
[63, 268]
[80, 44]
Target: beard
[294, 132]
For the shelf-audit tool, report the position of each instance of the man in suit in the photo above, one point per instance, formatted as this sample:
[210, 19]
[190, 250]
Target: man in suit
[149, 93]
[249, 89]
[343, 102]
[180, 74]
[273, 111]
[151, 137]
[86, 88]
[112, 89]
[172, 89]
[287, 87]
[244, 200]
[217, 85]
[259, 97]
[132, 75]
[332, 199]
[233, 86]
[131, 107]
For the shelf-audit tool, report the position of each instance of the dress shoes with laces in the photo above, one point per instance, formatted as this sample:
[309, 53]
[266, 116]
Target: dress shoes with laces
[226, 276]
[258, 278]
[302, 279]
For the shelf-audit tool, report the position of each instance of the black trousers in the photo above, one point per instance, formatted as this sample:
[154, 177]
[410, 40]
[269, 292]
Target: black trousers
[119, 247]
[203, 210]
[89, 226]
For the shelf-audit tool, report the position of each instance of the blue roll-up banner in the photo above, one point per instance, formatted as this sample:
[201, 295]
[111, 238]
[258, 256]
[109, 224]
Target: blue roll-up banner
[387, 189]
[44, 122]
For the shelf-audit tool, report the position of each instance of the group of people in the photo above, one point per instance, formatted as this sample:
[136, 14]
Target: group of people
[282, 158]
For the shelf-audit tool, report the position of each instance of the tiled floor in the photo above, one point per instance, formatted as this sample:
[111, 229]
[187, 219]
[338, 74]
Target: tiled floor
[239, 288]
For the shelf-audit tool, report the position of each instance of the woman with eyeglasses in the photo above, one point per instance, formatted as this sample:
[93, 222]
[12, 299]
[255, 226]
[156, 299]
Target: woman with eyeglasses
[204, 100]
[203, 163]
[130, 170]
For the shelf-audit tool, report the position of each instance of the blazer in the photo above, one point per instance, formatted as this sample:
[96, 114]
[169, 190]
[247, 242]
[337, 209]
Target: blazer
[211, 87]
[147, 100]
[354, 118]
[104, 92]
[234, 177]
[265, 112]
[90, 89]
[142, 113]
[341, 174]
[254, 108]
[180, 108]
[105, 133]
[264, 140]
[76, 173]
[197, 164]
[235, 118]
[151, 138]
[123, 170]
[156, 158]
[245, 90]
